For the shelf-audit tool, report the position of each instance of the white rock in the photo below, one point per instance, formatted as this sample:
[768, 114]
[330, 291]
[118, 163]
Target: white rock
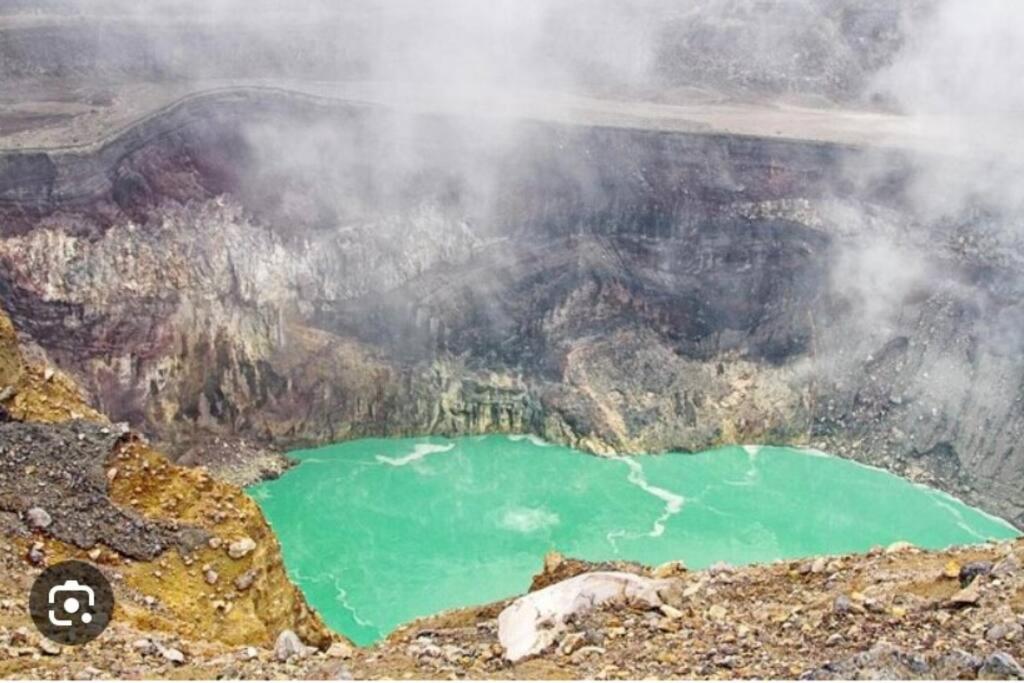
[536, 620]
[241, 548]
[671, 612]
[38, 518]
[288, 645]
[172, 655]
[145, 646]
[340, 650]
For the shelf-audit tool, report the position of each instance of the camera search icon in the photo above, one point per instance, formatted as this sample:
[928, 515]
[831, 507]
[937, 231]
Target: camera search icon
[71, 603]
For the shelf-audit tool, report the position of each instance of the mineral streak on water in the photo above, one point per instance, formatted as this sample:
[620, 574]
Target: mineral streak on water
[380, 531]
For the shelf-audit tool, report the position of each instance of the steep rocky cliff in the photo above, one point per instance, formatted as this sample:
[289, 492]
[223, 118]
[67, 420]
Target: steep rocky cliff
[284, 269]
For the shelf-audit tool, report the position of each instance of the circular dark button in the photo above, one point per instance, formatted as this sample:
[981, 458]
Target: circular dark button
[71, 602]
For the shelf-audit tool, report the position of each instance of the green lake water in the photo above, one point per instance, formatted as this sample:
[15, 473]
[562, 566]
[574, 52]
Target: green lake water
[377, 532]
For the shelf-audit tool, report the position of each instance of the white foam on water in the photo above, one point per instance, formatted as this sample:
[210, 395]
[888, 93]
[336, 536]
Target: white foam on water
[673, 501]
[419, 451]
[525, 520]
[532, 438]
[750, 476]
[342, 596]
[960, 521]
[938, 493]
[814, 452]
[817, 453]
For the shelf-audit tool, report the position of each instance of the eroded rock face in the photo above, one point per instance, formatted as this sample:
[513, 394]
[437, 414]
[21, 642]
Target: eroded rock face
[285, 270]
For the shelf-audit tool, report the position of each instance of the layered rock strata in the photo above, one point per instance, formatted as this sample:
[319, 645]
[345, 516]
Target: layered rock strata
[285, 270]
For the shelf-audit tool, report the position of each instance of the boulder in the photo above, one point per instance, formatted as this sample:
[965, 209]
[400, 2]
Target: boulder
[535, 621]
[1001, 666]
[288, 645]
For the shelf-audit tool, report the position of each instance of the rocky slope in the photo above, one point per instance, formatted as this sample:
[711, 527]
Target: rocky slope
[895, 614]
[282, 269]
[169, 539]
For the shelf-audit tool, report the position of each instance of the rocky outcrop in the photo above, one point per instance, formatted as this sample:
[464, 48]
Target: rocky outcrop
[287, 270]
[85, 489]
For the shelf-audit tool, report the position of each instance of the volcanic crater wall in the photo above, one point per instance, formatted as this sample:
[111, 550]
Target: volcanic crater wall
[252, 264]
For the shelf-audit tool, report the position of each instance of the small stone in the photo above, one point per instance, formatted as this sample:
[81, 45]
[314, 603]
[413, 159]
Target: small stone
[818, 566]
[145, 646]
[974, 569]
[245, 581]
[1008, 566]
[94, 554]
[951, 570]
[211, 577]
[36, 555]
[451, 654]
[717, 612]
[842, 605]
[214, 543]
[173, 655]
[48, 374]
[572, 642]
[38, 518]
[552, 561]
[834, 639]
[581, 655]
[1000, 666]
[340, 650]
[241, 548]
[112, 474]
[340, 672]
[49, 648]
[670, 611]
[899, 547]
[996, 633]
[875, 606]
[288, 645]
[249, 654]
[693, 589]
[966, 596]
[669, 569]
[721, 568]
[668, 625]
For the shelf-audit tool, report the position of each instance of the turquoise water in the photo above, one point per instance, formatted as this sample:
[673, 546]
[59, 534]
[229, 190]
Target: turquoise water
[380, 531]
